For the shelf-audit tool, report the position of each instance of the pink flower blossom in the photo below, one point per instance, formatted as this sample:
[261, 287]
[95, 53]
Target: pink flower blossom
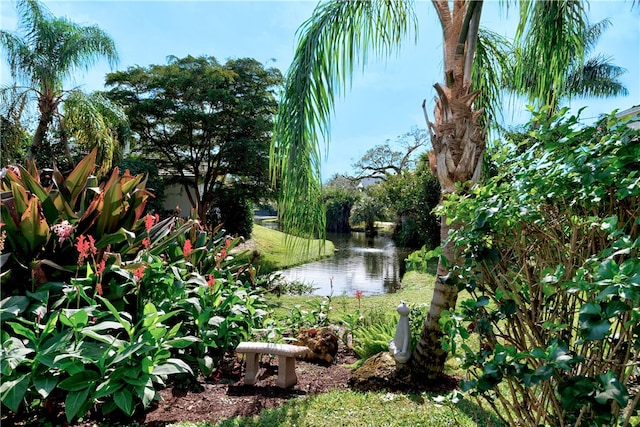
[63, 231]
[146, 242]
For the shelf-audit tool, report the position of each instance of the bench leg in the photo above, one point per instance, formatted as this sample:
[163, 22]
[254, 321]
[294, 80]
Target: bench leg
[253, 366]
[286, 372]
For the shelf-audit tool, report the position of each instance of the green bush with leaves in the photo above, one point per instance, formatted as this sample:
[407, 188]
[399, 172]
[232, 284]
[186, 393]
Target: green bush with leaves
[551, 256]
[144, 299]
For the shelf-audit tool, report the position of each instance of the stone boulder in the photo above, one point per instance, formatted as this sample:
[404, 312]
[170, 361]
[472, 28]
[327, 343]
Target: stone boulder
[322, 343]
[380, 372]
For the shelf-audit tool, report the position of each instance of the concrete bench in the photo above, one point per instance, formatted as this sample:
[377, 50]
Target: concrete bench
[286, 361]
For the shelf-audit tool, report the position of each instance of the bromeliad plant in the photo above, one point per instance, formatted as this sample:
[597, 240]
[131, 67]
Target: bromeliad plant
[552, 258]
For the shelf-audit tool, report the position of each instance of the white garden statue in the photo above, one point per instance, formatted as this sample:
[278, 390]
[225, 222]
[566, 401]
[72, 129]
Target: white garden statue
[400, 346]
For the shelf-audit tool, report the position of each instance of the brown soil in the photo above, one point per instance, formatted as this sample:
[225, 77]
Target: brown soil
[229, 398]
[225, 397]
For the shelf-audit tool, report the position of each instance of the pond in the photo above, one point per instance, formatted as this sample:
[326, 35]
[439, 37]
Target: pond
[373, 265]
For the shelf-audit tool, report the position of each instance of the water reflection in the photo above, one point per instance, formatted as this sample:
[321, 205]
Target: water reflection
[371, 265]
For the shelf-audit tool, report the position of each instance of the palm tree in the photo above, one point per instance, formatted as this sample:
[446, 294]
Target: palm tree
[47, 52]
[329, 45]
[596, 76]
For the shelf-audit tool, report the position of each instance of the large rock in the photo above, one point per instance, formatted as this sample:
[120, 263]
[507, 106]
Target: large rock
[380, 372]
[322, 343]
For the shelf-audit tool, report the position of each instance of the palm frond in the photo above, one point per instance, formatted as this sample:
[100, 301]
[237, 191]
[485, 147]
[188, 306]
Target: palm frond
[552, 34]
[598, 77]
[337, 37]
[494, 54]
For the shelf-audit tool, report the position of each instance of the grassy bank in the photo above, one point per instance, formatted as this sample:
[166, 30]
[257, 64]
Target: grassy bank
[349, 408]
[278, 250]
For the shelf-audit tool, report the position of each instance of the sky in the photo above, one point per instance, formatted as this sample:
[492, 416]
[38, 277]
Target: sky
[383, 101]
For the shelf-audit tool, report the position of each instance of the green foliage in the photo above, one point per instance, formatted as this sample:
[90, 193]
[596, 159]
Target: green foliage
[155, 183]
[412, 197]
[368, 209]
[40, 221]
[234, 211]
[373, 331]
[208, 124]
[338, 203]
[146, 298]
[551, 257]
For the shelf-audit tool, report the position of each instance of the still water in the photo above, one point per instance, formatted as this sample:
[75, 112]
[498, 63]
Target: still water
[371, 265]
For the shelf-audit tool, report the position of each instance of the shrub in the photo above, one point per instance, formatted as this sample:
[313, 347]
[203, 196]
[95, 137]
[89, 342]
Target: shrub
[551, 256]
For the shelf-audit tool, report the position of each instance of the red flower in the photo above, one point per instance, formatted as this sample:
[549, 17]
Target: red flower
[149, 220]
[186, 250]
[100, 267]
[211, 280]
[139, 272]
[85, 247]
[358, 294]
[146, 242]
[99, 289]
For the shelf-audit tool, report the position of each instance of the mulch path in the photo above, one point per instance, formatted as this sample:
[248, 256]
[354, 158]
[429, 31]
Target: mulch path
[228, 398]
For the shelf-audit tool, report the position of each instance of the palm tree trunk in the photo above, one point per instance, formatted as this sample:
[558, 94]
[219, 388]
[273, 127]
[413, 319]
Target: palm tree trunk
[458, 141]
[40, 134]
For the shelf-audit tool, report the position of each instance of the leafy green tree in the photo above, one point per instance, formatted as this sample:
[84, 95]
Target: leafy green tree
[368, 209]
[207, 124]
[43, 55]
[332, 41]
[412, 196]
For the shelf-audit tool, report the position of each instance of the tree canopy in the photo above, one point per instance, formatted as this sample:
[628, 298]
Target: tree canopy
[43, 55]
[203, 122]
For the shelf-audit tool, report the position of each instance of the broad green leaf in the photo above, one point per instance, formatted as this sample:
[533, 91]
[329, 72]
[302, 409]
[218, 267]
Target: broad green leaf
[22, 330]
[77, 179]
[173, 366]
[114, 238]
[146, 394]
[79, 381]
[12, 306]
[182, 342]
[124, 400]
[613, 390]
[33, 226]
[12, 392]
[44, 385]
[107, 388]
[74, 402]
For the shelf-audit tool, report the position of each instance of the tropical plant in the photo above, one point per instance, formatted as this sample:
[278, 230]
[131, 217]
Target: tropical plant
[44, 55]
[582, 76]
[40, 222]
[551, 250]
[329, 47]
